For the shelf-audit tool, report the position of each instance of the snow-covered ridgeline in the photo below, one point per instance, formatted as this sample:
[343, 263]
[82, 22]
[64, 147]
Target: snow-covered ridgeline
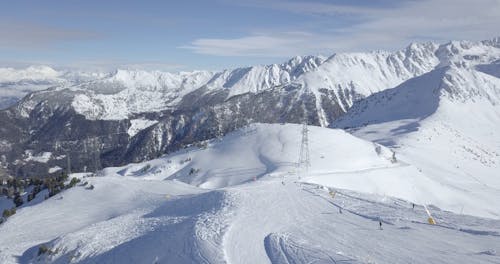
[350, 76]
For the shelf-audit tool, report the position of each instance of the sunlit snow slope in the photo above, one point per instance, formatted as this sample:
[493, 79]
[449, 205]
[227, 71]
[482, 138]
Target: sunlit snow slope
[240, 200]
[446, 123]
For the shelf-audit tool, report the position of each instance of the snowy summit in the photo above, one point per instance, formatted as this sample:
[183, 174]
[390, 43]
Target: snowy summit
[281, 131]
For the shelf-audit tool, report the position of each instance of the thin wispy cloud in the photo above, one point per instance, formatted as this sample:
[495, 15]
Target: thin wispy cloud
[101, 65]
[112, 64]
[385, 27]
[20, 34]
[224, 33]
[260, 45]
[312, 7]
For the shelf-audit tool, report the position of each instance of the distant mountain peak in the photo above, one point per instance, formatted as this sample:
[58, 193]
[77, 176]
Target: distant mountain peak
[35, 73]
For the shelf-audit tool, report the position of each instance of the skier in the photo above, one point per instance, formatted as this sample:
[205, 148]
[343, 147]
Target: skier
[393, 158]
[413, 205]
[380, 224]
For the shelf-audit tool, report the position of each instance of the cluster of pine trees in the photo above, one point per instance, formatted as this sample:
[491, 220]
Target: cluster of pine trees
[15, 188]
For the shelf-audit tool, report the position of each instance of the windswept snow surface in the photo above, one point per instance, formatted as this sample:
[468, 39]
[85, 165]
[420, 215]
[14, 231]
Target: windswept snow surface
[446, 123]
[239, 200]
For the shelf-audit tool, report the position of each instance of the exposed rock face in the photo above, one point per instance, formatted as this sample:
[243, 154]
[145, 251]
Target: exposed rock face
[130, 116]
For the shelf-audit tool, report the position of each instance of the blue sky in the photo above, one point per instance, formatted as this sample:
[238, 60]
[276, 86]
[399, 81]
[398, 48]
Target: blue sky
[196, 34]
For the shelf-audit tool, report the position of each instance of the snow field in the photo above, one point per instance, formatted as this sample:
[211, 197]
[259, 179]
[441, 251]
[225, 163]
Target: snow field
[243, 203]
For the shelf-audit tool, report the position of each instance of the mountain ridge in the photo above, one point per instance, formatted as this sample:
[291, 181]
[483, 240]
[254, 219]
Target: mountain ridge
[165, 111]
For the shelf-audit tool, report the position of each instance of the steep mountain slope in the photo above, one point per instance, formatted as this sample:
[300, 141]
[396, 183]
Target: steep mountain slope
[136, 115]
[126, 93]
[335, 82]
[146, 213]
[446, 122]
[352, 76]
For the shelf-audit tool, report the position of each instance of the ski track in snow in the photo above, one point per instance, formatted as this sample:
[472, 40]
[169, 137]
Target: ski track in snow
[315, 221]
[148, 212]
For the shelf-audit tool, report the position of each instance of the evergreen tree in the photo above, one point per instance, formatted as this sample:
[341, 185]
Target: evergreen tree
[7, 213]
[18, 200]
[73, 182]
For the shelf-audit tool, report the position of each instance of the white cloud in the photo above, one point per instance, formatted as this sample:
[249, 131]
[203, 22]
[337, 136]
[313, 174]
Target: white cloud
[97, 65]
[112, 64]
[378, 28]
[259, 45]
[311, 7]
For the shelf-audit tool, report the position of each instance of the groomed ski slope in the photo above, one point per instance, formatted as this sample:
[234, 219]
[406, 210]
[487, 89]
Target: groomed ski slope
[243, 203]
[338, 160]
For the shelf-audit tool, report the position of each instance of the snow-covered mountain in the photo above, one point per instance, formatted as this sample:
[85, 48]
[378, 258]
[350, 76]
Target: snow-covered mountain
[159, 112]
[17, 83]
[336, 82]
[240, 200]
[420, 140]
[125, 92]
[445, 121]
[349, 76]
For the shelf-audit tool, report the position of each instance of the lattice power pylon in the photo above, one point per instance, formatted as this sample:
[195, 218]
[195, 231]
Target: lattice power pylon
[304, 160]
